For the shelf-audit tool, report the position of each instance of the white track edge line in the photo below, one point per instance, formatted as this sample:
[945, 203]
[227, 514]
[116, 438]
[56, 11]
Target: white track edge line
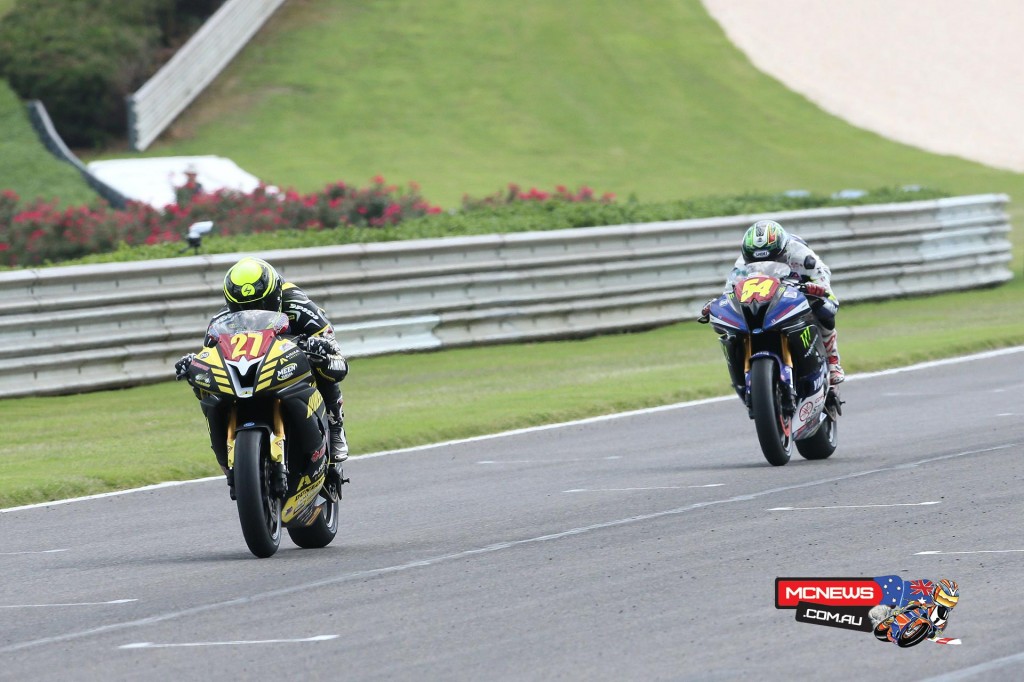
[532, 429]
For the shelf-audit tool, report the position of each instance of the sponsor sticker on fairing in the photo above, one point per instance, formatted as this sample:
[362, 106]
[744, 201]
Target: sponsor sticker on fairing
[286, 371]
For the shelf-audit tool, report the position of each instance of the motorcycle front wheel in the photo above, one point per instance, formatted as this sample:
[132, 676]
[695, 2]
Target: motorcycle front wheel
[258, 511]
[773, 428]
[914, 634]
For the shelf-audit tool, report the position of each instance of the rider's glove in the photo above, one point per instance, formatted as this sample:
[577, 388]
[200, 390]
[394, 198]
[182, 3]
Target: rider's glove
[181, 366]
[812, 289]
[315, 346]
[705, 312]
[323, 354]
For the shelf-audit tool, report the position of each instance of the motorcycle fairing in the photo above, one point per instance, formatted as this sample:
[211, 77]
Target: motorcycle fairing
[756, 289]
[785, 308]
[724, 314]
[245, 377]
[809, 415]
[305, 495]
[207, 371]
[907, 628]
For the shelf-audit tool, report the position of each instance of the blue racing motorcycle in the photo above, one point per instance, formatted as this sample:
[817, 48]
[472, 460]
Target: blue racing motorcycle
[777, 361]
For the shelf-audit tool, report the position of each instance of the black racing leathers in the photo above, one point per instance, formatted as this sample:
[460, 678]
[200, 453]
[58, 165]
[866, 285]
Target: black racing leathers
[307, 319]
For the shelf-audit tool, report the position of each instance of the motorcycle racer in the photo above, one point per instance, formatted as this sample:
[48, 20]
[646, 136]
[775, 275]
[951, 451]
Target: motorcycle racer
[945, 596]
[254, 284]
[766, 240]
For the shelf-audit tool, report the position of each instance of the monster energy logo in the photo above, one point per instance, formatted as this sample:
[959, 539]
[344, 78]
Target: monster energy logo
[805, 336]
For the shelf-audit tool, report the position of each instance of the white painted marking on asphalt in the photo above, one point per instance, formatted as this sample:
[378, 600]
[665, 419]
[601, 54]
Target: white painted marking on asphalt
[115, 493]
[544, 461]
[151, 645]
[41, 551]
[977, 551]
[1006, 414]
[858, 506]
[656, 487]
[979, 671]
[48, 606]
[478, 551]
[534, 429]
[860, 376]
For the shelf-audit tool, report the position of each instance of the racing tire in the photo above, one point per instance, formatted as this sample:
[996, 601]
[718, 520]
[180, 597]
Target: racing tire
[822, 443]
[773, 429]
[258, 511]
[914, 633]
[321, 532]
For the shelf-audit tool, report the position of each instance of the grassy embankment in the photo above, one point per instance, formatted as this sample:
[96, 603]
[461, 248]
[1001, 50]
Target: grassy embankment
[637, 97]
[25, 165]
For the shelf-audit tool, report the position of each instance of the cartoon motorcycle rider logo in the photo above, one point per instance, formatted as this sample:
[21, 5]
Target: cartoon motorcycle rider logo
[920, 619]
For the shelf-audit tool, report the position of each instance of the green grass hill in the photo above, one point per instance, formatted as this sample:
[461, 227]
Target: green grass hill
[640, 97]
[26, 166]
[645, 97]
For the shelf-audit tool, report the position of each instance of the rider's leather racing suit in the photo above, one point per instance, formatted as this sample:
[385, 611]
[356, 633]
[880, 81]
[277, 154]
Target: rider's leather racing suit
[308, 319]
[804, 263]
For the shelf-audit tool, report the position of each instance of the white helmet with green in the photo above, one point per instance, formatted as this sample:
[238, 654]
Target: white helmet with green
[764, 240]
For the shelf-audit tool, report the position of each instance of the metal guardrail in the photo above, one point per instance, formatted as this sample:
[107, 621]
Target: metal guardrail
[120, 324]
[158, 102]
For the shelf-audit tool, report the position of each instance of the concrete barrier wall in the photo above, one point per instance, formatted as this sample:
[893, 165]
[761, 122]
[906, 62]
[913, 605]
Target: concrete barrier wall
[121, 324]
[158, 102]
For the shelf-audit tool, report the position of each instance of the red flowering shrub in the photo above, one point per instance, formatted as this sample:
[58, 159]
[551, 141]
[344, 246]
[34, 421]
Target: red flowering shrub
[41, 233]
[514, 194]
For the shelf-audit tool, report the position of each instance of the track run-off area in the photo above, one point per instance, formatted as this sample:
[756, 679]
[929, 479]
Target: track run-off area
[643, 545]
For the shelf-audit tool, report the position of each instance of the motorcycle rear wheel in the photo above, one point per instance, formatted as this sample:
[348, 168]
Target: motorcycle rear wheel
[773, 430]
[822, 444]
[258, 511]
[320, 532]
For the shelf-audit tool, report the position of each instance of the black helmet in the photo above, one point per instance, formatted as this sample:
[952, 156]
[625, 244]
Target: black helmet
[252, 284]
[764, 240]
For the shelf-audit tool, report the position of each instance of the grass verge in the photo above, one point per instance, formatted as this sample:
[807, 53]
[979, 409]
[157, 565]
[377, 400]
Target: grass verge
[75, 445]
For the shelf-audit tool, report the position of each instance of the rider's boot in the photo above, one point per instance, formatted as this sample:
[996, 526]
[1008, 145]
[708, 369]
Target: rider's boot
[339, 451]
[339, 443]
[836, 375]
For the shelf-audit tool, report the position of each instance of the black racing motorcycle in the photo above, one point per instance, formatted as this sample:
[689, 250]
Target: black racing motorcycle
[257, 390]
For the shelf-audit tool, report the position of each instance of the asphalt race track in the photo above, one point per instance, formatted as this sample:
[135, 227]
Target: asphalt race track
[642, 547]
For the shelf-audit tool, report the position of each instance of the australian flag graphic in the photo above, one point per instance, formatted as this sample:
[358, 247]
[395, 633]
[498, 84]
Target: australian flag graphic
[899, 592]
